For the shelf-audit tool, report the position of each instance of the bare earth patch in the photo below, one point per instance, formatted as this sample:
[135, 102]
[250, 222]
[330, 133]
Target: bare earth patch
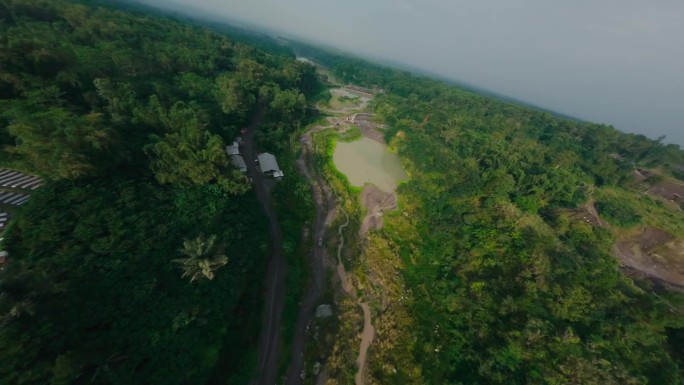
[589, 214]
[355, 101]
[667, 188]
[376, 202]
[655, 253]
[369, 130]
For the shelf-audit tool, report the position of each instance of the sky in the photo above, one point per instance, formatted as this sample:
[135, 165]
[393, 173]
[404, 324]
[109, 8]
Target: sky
[618, 62]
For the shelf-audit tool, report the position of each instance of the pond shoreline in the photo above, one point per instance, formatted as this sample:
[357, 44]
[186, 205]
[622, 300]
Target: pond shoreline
[368, 160]
[372, 133]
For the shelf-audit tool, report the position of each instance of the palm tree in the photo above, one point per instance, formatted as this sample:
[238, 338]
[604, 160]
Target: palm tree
[201, 259]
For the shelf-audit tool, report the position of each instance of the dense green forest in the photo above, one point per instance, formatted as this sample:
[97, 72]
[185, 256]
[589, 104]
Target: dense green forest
[140, 260]
[496, 282]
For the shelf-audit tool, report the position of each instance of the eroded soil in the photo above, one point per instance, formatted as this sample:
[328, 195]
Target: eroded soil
[376, 202]
[655, 253]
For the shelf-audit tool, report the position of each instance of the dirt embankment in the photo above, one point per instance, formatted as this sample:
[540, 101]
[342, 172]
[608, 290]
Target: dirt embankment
[370, 131]
[654, 253]
[589, 214]
[376, 202]
[652, 183]
[646, 252]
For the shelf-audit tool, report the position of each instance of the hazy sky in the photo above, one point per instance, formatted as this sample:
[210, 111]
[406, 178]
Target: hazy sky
[619, 62]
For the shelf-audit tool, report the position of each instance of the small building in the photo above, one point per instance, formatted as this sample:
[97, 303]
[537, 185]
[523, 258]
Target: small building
[239, 163]
[269, 166]
[233, 149]
[236, 159]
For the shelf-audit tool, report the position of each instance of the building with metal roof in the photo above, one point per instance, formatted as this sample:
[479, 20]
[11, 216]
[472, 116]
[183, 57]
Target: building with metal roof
[238, 162]
[269, 166]
[233, 149]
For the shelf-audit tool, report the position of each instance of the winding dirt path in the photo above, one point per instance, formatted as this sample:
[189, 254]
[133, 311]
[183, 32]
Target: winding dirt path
[368, 332]
[366, 340]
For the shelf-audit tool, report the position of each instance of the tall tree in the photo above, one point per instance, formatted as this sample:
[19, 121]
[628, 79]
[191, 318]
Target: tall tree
[201, 259]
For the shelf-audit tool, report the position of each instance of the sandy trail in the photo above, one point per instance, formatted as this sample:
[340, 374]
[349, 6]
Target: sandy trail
[366, 341]
[368, 331]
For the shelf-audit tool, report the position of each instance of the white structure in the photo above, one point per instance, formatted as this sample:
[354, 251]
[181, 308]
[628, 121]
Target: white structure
[238, 162]
[233, 152]
[269, 166]
[233, 149]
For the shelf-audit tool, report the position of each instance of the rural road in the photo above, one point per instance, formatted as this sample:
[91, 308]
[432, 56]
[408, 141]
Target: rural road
[269, 342]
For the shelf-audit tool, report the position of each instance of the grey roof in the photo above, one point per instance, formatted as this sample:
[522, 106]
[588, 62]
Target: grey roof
[267, 163]
[238, 162]
[233, 149]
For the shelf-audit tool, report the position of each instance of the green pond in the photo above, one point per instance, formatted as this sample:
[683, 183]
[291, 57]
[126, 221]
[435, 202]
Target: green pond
[367, 161]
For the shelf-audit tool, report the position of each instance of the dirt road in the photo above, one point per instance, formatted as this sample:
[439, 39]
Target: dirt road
[275, 276]
[368, 332]
[325, 207]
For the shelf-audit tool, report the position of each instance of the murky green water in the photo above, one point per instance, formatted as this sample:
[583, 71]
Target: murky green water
[367, 161]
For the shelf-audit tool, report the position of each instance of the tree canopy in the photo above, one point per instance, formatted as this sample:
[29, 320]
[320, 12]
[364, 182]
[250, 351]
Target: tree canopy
[110, 278]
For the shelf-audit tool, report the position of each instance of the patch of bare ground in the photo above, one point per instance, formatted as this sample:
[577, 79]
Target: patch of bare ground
[589, 214]
[658, 185]
[645, 253]
[655, 253]
[376, 202]
[345, 101]
[366, 340]
[368, 331]
[370, 130]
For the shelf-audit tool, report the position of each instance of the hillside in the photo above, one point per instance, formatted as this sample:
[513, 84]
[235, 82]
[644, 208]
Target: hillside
[493, 270]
